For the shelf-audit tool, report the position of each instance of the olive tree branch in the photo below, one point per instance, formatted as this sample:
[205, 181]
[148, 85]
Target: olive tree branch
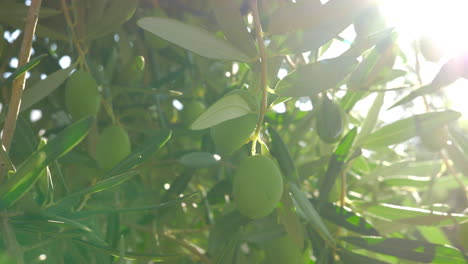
[19, 83]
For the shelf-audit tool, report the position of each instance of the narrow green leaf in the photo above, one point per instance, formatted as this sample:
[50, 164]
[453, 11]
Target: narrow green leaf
[316, 77]
[98, 187]
[290, 220]
[199, 160]
[43, 88]
[84, 214]
[371, 118]
[335, 165]
[224, 231]
[405, 129]
[143, 152]
[280, 151]
[31, 169]
[310, 214]
[350, 257]
[346, 218]
[234, 104]
[192, 38]
[230, 20]
[18, 72]
[128, 255]
[413, 250]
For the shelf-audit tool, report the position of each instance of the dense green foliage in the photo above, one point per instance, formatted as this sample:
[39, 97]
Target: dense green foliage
[170, 136]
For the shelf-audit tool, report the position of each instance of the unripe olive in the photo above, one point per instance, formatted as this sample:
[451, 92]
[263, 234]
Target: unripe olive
[192, 110]
[113, 146]
[434, 139]
[430, 49]
[329, 121]
[283, 250]
[257, 186]
[232, 134]
[81, 95]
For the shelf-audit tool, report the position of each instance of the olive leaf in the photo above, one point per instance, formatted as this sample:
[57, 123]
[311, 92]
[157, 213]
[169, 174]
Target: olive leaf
[192, 38]
[235, 104]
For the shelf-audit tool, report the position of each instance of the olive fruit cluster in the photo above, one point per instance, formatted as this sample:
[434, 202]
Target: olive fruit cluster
[112, 147]
[81, 95]
[257, 186]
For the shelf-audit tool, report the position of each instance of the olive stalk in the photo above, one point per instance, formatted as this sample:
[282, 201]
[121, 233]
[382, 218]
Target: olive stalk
[263, 73]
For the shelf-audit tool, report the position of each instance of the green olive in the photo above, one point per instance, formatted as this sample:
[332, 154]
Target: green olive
[257, 186]
[81, 95]
[232, 134]
[283, 250]
[329, 121]
[434, 139]
[192, 110]
[113, 146]
[429, 49]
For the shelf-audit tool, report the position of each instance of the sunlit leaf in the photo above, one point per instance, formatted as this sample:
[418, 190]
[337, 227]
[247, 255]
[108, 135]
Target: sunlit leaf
[405, 129]
[414, 250]
[410, 215]
[316, 77]
[234, 104]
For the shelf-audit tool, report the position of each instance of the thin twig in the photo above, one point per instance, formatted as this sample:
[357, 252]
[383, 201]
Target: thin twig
[263, 73]
[18, 84]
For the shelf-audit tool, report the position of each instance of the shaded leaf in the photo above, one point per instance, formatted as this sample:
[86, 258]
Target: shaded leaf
[27, 174]
[199, 159]
[335, 165]
[280, 151]
[111, 19]
[192, 38]
[311, 215]
[290, 220]
[43, 88]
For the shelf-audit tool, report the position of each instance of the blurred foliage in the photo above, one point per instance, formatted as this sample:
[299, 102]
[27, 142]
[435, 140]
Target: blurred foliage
[178, 80]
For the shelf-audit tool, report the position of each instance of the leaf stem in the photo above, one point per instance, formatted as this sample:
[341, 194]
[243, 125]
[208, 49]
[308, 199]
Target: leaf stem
[19, 83]
[263, 73]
